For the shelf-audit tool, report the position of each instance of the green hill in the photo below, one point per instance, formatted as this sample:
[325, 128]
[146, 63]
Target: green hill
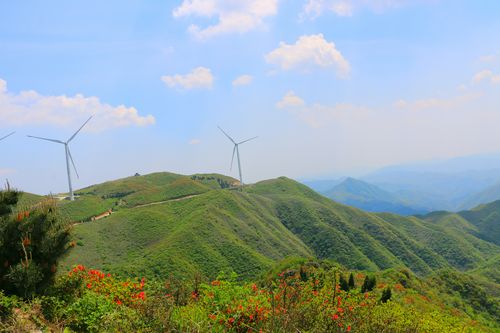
[165, 224]
[482, 222]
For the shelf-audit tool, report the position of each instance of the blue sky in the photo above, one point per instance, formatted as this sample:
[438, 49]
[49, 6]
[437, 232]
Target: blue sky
[331, 87]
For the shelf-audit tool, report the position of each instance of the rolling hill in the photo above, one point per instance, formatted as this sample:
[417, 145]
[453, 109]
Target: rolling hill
[166, 224]
[483, 221]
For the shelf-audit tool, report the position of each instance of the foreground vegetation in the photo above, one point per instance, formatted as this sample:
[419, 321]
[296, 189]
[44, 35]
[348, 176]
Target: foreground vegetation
[297, 295]
[374, 272]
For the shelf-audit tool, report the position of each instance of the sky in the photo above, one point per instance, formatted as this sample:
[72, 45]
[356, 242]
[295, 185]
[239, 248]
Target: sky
[330, 87]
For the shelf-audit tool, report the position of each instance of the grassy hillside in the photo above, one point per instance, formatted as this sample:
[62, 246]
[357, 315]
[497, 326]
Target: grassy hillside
[482, 222]
[165, 224]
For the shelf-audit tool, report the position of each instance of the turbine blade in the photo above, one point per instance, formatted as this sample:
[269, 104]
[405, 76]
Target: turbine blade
[73, 136]
[7, 136]
[230, 138]
[255, 137]
[232, 158]
[72, 162]
[51, 140]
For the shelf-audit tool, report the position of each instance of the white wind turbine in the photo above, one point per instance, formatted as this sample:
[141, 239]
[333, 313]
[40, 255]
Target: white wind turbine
[68, 156]
[237, 151]
[5, 137]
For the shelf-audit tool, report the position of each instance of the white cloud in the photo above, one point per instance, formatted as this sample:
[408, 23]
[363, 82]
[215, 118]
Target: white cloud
[243, 80]
[290, 100]
[485, 75]
[32, 108]
[315, 8]
[238, 16]
[199, 78]
[307, 52]
[194, 141]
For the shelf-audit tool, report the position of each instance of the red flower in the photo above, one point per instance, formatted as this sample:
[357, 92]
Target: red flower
[89, 285]
[349, 328]
[335, 317]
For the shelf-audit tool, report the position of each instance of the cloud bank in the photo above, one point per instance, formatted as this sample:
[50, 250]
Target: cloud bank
[232, 16]
[307, 53]
[31, 108]
[198, 78]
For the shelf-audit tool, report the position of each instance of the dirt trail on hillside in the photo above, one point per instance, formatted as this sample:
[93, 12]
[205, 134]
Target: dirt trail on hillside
[165, 201]
[144, 205]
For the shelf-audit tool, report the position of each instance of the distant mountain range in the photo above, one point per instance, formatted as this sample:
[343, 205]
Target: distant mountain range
[452, 185]
[368, 197]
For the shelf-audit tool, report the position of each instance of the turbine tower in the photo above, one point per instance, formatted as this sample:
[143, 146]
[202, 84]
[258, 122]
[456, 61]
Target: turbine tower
[68, 156]
[5, 137]
[237, 151]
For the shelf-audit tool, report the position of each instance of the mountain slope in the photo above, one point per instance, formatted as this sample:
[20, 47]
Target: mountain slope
[368, 197]
[200, 223]
[482, 222]
[487, 195]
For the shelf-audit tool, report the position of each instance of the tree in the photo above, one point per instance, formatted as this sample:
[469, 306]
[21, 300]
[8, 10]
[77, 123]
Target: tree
[386, 295]
[343, 283]
[351, 282]
[32, 240]
[368, 284]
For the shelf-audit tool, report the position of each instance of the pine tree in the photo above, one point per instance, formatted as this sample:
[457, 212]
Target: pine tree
[343, 283]
[386, 295]
[351, 282]
[365, 285]
[368, 284]
[31, 242]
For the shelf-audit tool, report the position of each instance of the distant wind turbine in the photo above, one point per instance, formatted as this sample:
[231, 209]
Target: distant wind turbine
[5, 137]
[237, 151]
[68, 156]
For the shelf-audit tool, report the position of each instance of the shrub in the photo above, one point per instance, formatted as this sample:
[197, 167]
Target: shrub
[32, 240]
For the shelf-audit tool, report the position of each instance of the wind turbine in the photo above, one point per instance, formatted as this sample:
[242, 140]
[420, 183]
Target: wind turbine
[5, 137]
[237, 151]
[68, 156]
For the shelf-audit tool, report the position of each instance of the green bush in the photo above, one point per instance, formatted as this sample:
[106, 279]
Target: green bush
[32, 240]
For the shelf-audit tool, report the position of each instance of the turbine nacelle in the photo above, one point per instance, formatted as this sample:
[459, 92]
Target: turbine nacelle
[236, 151]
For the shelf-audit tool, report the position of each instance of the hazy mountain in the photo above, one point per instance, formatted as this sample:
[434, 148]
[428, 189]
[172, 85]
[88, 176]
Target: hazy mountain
[322, 186]
[166, 224]
[371, 198]
[489, 194]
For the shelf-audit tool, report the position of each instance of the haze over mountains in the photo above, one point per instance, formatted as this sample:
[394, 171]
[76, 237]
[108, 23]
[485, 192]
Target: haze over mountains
[453, 185]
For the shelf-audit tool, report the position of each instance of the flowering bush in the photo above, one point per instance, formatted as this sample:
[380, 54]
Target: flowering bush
[120, 292]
